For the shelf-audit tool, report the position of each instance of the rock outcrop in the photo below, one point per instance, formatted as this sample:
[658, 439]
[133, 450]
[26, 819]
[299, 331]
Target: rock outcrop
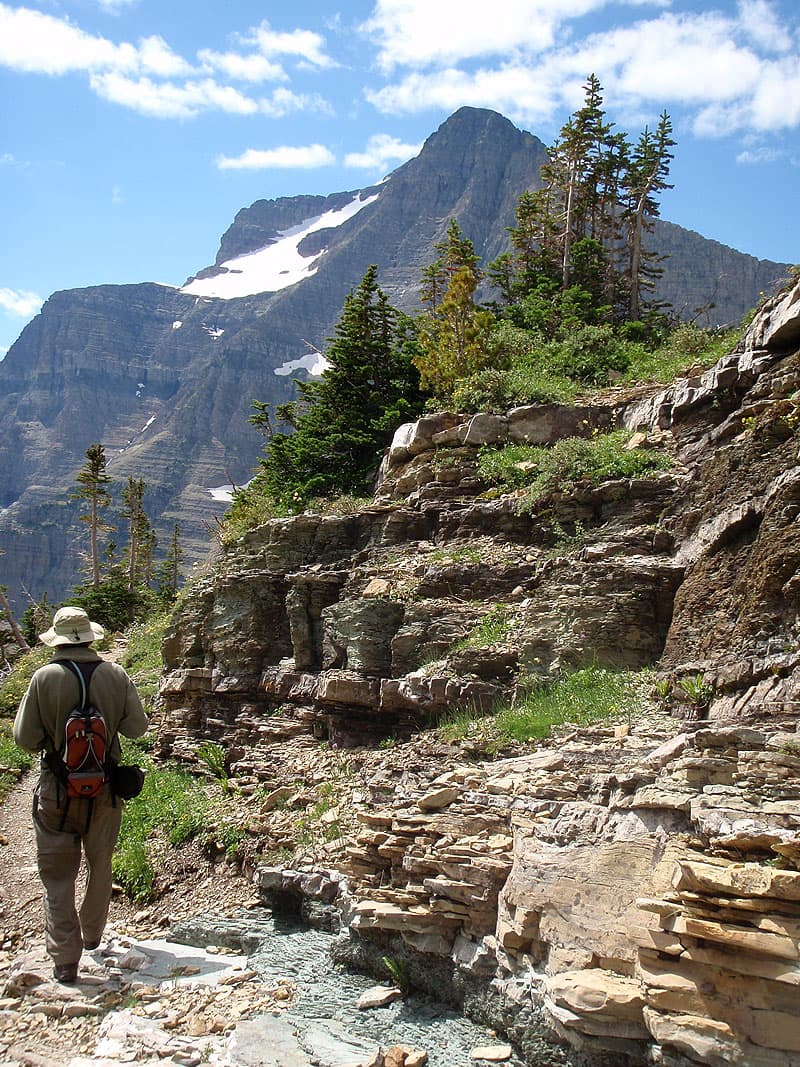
[633, 889]
[165, 377]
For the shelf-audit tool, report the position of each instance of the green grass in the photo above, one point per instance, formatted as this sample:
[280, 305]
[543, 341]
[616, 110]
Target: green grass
[492, 629]
[569, 461]
[13, 686]
[142, 658]
[580, 361]
[13, 761]
[688, 347]
[591, 695]
[172, 804]
[173, 808]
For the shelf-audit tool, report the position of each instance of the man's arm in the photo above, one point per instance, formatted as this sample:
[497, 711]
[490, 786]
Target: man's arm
[134, 722]
[29, 731]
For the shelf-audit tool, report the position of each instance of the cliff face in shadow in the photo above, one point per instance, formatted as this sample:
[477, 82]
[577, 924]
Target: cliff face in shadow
[165, 378]
[630, 889]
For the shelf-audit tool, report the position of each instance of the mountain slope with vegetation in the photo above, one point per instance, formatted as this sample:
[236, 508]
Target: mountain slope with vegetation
[164, 378]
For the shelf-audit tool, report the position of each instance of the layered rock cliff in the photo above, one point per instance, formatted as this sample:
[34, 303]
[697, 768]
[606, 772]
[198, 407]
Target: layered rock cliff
[632, 889]
[165, 377]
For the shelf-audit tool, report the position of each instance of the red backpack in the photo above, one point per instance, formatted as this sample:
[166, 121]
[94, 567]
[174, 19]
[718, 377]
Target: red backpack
[86, 741]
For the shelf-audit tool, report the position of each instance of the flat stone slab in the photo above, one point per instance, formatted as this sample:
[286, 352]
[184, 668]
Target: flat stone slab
[492, 1053]
[378, 997]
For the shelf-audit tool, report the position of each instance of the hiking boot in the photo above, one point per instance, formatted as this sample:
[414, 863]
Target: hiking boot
[67, 973]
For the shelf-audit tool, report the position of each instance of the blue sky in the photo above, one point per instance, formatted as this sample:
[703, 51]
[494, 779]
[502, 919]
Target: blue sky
[132, 131]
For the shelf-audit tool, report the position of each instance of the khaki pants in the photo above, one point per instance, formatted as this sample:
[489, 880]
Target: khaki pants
[91, 828]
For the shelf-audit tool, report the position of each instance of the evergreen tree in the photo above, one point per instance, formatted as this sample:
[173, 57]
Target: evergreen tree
[648, 176]
[170, 569]
[141, 536]
[343, 421]
[582, 232]
[454, 334]
[92, 489]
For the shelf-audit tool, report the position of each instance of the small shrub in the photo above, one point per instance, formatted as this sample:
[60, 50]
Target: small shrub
[212, 756]
[687, 347]
[662, 690]
[252, 506]
[698, 691]
[492, 629]
[589, 355]
[398, 971]
[346, 504]
[112, 603]
[487, 391]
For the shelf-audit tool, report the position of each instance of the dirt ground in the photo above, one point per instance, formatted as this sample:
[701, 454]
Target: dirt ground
[214, 886]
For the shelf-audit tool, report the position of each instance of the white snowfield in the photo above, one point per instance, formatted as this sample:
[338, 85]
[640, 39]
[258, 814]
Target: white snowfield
[279, 264]
[315, 363]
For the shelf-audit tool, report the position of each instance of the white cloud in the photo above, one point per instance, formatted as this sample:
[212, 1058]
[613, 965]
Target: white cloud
[760, 155]
[157, 58]
[521, 92]
[7, 159]
[285, 102]
[776, 100]
[301, 44]
[726, 72]
[149, 77]
[306, 157]
[33, 41]
[417, 33]
[117, 196]
[20, 302]
[168, 100]
[252, 68]
[381, 151]
[760, 22]
[113, 7]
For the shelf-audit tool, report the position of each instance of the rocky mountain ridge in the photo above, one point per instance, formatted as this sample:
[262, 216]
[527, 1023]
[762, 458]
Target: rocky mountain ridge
[165, 377]
[630, 890]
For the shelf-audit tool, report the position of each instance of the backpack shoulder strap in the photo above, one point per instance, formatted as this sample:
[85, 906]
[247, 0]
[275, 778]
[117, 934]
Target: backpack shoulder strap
[83, 672]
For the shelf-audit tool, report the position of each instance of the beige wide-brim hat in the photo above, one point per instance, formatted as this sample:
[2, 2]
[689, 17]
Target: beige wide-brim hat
[71, 626]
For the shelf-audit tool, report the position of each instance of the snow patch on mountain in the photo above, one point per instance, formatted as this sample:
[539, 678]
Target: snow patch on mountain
[279, 264]
[315, 363]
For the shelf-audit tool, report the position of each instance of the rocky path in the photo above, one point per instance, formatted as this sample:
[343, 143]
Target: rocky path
[44, 1023]
[20, 889]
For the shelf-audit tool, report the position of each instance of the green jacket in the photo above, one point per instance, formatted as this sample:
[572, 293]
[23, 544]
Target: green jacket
[54, 691]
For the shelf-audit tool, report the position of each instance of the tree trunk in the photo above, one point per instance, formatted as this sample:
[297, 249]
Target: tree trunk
[12, 622]
[95, 557]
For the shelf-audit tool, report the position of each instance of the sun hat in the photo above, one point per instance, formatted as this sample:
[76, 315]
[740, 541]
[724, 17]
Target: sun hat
[71, 626]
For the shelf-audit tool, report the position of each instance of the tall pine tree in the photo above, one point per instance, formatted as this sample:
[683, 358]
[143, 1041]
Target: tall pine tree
[343, 421]
[92, 490]
[648, 172]
[584, 228]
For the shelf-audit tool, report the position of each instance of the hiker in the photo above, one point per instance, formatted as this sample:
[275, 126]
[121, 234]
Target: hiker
[67, 825]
